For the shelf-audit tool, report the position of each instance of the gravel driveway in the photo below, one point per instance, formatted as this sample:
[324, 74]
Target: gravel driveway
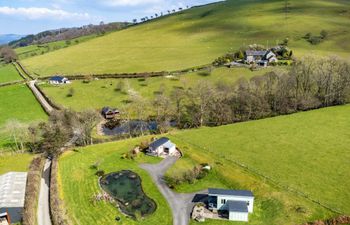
[181, 204]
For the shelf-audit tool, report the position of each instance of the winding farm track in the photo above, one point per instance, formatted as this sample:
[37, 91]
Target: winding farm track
[181, 204]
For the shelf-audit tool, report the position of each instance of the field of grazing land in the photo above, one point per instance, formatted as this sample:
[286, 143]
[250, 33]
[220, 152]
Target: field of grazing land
[308, 152]
[100, 93]
[17, 103]
[79, 183]
[199, 35]
[40, 49]
[14, 162]
[8, 73]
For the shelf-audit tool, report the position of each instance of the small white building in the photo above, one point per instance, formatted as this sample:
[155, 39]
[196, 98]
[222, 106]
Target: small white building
[59, 80]
[161, 147]
[237, 203]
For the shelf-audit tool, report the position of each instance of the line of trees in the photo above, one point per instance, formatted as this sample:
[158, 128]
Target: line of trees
[156, 15]
[309, 84]
[49, 137]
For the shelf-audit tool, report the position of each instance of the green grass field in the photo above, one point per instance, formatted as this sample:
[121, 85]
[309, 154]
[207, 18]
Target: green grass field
[8, 73]
[98, 94]
[308, 151]
[40, 49]
[14, 162]
[79, 183]
[17, 103]
[198, 36]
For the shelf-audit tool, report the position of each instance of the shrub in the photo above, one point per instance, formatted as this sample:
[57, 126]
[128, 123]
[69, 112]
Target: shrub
[100, 173]
[324, 34]
[314, 40]
[70, 93]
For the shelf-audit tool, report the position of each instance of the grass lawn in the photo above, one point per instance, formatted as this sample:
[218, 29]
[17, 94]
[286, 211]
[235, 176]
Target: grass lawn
[8, 73]
[100, 93]
[14, 162]
[17, 102]
[307, 151]
[199, 35]
[79, 183]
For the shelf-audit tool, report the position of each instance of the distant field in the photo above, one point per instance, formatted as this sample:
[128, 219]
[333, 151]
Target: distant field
[40, 49]
[198, 36]
[309, 151]
[8, 73]
[14, 162]
[79, 183]
[18, 103]
[98, 94]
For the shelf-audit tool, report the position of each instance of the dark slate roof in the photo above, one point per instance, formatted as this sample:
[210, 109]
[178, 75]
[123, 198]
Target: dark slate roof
[255, 53]
[161, 141]
[57, 78]
[214, 191]
[108, 109]
[237, 206]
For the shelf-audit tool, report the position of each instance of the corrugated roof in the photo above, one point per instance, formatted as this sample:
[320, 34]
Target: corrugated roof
[12, 189]
[237, 206]
[244, 193]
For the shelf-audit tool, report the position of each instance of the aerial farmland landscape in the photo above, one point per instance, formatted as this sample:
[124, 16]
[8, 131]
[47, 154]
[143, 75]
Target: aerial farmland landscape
[175, 112]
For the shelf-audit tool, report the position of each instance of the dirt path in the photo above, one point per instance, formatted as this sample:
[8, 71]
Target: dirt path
[181, 204]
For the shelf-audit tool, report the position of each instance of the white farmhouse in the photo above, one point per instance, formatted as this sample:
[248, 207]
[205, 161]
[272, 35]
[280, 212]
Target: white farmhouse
[237, 203]
[59, 80]
[161, 147]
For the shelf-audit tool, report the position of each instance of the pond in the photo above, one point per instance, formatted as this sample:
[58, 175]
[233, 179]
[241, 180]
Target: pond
[125, 187]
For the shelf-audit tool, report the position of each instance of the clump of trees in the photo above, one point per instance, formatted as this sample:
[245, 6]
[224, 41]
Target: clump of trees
[8, 54]
[316, 39]
[309, 84]
[49, 137]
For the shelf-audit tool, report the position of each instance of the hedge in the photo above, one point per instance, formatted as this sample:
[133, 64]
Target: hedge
[32, 191]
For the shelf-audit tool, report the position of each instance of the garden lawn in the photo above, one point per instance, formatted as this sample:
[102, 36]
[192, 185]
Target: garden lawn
[199, 35]
[8, 73]
[79, 183]
[14, 162]
[100, 93]
[308, 152]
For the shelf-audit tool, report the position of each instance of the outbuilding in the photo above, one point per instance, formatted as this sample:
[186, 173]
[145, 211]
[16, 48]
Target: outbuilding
[161, 147]
[59, 80]
[12, 193]
[237, 203]
[109, 113]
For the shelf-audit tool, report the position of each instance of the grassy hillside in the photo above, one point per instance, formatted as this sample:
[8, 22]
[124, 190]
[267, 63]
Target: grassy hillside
[100, 93]
[197, 36]
[8, 73]
[41, 49]
[309, 151]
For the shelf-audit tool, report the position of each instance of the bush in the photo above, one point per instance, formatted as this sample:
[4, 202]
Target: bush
[70, 93]
[314, 40]
[324, 34]
[100, 173]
